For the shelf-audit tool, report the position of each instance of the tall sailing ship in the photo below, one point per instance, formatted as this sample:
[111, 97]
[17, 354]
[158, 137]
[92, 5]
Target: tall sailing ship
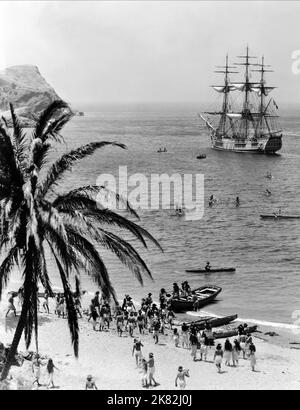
[247, 121]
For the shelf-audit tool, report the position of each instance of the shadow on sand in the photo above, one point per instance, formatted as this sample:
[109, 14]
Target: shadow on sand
[9, 323]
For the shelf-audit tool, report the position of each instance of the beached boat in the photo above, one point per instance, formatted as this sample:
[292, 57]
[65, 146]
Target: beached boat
[233, 332]
[213, 321]
[250, 126]
[279, 216]
[204, 295]
[210, 270]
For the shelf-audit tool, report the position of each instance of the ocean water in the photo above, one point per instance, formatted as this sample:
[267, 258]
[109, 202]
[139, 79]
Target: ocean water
[266, 285]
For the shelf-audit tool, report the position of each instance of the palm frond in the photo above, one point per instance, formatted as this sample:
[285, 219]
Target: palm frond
[72, 313]
[48, 115]
[44, 277]
[8, 161]
[6, 267]
[67, 161]
[90, 210]
[124, 251]
[19, 141]
[91, 191]
[96, 267]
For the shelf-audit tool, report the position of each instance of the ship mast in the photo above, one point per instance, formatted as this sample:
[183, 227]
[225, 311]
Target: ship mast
[246, 111]
[225, 89]
[225, 103]
[263, 93]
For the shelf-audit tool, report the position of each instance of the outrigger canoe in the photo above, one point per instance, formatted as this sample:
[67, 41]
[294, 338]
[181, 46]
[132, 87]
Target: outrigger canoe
[202, 296]
[233, 332]
[213, 322]
[212, 270]
[272, 216]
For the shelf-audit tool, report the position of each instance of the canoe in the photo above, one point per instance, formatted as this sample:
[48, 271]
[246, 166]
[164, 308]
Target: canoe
[205, 295]
[233, 332]
[210, 270]
[271, 216]
[214, 322]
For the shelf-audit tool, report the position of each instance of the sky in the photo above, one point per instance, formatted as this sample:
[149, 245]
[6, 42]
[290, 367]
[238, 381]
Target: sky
[149, 51]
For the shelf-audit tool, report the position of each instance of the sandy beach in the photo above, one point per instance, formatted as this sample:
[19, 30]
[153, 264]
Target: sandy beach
[108, 358]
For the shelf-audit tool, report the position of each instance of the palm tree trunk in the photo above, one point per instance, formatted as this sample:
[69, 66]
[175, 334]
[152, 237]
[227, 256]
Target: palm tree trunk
[15, 343]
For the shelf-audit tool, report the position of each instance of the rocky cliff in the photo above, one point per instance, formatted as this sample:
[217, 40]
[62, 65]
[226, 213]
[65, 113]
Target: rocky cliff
[27, 90]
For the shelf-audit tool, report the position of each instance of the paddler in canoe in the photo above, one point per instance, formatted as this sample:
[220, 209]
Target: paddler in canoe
[207, 266]
[176, 291]
[277, 213]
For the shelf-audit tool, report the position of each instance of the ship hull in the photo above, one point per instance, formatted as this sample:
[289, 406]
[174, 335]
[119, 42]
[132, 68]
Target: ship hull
[268, 146]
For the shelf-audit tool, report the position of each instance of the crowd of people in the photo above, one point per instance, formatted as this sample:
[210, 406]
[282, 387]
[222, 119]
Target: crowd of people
[152, 319]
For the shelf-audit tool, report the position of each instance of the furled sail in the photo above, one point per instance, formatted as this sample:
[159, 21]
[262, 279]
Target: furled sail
[234, 115]
[223, 88]
[261, 90]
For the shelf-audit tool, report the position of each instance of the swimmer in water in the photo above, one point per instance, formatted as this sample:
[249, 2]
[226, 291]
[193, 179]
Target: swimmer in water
[268, 192]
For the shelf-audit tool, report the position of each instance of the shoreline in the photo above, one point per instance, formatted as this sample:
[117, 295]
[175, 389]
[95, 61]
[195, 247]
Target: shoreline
[108, 358]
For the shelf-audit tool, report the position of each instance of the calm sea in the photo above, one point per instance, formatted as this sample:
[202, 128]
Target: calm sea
[266, 285]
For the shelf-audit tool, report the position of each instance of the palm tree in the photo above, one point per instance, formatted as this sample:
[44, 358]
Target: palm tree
[36, 219]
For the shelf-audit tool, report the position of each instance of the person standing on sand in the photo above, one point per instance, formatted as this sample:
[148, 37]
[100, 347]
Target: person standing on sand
[140, 322]
[203, 346]
[46, 303]
[176, 337]
[36, 370]
[11, 306]
[242, 340]
[185, 335]
[93, 315]
[50, 370]
[137, 348]
[170, 317]
[194, 344]
[90, 383]
[96, 302]
[252, 351]
[218, 357]
[151, 370]
[144, 373]
[236, 353]
[247, 346]
[227, 352]
[57, 302]
[120, 322]
[180, 378]
[131, 324]
[156, 327]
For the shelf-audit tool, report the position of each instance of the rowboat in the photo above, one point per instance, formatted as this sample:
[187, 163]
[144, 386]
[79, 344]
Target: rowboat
[213, 321]
[210, 270]
[201, 296]
[233, 332]
[272, 216]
